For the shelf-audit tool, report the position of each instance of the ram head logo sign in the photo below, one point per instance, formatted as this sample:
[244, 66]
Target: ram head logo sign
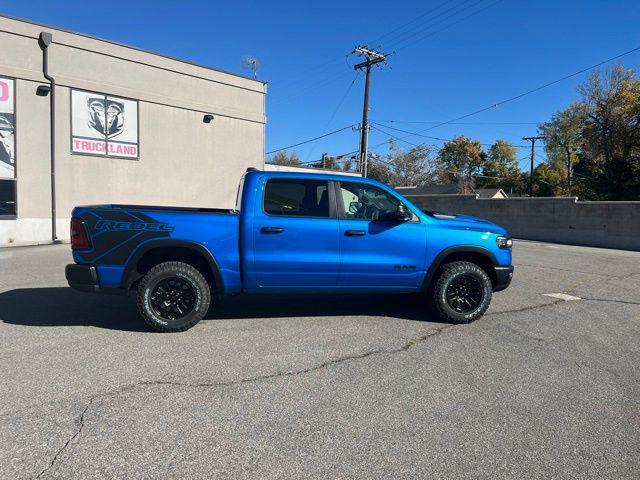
[105, 116]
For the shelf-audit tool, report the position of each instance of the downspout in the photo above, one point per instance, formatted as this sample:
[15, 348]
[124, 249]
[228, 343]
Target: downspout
[44, 41]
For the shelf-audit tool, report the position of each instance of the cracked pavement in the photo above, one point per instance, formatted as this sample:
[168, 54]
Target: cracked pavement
[326, 386]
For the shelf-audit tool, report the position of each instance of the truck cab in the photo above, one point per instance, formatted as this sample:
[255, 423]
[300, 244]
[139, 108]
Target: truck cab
[289, 233]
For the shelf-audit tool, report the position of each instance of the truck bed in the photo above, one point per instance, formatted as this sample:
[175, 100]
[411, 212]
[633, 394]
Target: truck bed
[156, 208]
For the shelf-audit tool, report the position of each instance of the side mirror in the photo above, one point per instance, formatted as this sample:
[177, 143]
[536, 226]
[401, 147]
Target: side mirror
[403, 214]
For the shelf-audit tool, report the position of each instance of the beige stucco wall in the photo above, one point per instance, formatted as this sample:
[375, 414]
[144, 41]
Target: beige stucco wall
[183, 161]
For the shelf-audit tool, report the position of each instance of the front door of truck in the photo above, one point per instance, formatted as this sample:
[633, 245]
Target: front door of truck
[295, 236]
[377, 251]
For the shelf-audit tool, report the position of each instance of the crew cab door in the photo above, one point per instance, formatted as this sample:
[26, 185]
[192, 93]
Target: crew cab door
[378, 252]
[295, 236]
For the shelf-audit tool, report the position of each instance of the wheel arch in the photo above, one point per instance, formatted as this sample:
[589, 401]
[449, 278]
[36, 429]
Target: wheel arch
[481, 256]
[149, 254]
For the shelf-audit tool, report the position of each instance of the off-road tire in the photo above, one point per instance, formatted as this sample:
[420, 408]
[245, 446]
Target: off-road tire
[448, 274]
[185, 273]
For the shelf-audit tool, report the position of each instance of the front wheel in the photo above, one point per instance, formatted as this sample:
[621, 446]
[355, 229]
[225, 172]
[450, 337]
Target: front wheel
[462, 292]
[173, 297]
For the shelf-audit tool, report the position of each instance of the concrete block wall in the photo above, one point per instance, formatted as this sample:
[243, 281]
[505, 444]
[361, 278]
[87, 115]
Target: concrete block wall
[562, 220]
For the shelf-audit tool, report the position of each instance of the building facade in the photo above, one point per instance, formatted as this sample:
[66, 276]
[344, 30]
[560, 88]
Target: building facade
[130, 127]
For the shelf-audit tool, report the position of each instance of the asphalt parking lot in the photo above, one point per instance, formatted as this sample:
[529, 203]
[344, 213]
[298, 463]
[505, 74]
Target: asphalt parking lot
[326, 386]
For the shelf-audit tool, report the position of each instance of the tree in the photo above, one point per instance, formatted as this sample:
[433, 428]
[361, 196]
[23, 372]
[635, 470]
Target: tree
[281, 158]
[459, 160]
[501, 168]
[610, 156]
[411, 168]
[548, 178]
[563, 139]
[378, 169]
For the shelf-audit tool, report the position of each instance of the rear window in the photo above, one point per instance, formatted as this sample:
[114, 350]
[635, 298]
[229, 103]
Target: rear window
[297, 197]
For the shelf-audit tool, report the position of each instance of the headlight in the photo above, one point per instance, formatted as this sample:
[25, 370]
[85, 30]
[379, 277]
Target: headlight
[504, 242]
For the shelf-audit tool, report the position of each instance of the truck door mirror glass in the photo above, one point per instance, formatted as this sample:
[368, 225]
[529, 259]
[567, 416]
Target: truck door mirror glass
[403, 214]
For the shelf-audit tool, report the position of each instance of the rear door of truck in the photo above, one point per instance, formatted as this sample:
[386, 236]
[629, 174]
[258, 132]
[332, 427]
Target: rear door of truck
[295, 235]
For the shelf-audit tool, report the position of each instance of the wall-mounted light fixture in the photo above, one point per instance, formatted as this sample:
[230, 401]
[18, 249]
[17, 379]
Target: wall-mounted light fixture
[43, 90]
[207, 118]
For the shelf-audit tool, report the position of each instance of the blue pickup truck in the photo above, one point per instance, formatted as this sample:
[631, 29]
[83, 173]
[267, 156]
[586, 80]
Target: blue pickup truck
[289, 233]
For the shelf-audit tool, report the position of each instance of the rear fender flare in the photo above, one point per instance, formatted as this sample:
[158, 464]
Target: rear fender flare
[130, 274]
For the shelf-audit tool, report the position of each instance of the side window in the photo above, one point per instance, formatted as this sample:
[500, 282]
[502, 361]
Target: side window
[366, 202]
[297, 197]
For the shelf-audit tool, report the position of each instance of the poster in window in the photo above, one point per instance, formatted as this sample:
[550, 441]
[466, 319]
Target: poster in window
[103, 125]
[7, 129]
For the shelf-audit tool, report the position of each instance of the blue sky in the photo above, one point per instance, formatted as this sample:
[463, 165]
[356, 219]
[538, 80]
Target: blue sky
[449, 57]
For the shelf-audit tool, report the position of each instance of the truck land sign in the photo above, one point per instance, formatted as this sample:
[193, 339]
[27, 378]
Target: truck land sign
[7, 129]
[103, 125]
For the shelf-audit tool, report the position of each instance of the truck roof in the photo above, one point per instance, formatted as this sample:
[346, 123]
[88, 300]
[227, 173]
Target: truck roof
[326, 176]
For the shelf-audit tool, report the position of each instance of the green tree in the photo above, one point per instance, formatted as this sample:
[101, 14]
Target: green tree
[281, 158]
[501, 168]
[459, 160]
[548, 179]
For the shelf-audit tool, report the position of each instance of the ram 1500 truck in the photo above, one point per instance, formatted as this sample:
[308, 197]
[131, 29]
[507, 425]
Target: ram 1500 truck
[289, 233]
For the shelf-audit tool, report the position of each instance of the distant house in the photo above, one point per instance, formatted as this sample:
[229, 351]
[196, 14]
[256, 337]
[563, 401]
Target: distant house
[491, 193]
[452, 189]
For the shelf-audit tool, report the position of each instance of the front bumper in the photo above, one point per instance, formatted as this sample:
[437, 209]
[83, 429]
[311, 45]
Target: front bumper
[82, 277]
[503, 277]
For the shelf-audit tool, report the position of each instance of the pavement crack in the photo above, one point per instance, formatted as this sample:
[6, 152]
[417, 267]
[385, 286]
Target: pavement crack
[68, 442]
[410, 343]
[404, 347]
[524, 309]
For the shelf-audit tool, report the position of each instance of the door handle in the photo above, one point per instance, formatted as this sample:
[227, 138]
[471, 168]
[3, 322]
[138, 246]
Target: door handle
[355, 233]
[272, 229]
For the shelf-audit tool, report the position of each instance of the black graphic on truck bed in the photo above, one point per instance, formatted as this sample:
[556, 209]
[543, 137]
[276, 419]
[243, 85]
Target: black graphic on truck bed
[116, 234]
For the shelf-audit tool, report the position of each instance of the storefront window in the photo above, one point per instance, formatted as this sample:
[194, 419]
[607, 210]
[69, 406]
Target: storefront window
[7, 148]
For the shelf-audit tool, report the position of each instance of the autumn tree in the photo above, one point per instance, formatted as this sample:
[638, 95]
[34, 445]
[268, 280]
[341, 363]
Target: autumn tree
[410, 168]
[281, 158]
[610, 156]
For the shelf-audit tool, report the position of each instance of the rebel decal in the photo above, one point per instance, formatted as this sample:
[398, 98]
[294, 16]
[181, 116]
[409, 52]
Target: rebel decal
[115, 234]
[115, 226]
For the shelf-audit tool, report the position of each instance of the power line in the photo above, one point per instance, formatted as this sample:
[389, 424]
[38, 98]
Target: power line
[457, 123]
[399, 46]
[433, 138]
[528, 92]
[415, 19]
[311, 139]
[335, 111]
[428, 24]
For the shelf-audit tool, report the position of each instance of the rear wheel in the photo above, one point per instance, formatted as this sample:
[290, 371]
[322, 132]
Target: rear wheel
[462, 292]
[173, 297]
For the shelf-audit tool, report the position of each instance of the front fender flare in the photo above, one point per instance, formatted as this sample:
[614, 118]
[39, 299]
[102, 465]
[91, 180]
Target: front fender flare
[437, 261]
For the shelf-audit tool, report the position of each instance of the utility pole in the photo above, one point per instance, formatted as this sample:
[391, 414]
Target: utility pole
[372, 57]
[533, 144]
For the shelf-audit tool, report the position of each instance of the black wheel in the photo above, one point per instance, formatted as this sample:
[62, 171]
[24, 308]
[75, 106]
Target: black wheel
[462, 292]
[173, 297]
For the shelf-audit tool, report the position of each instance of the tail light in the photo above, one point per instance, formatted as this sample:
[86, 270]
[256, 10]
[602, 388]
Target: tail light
[79, 235]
